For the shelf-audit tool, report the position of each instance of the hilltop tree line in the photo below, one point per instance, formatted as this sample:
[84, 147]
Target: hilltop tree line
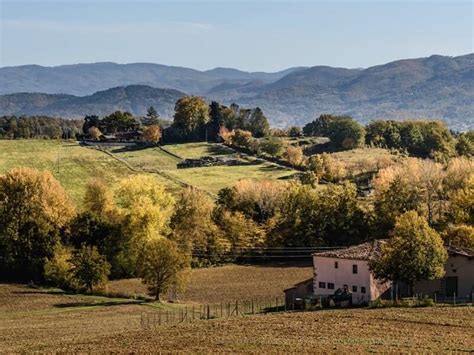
[195, 120]
[12, 127]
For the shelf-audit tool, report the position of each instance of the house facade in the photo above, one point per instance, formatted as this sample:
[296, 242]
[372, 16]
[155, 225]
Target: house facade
[458, 280]
[348, 269]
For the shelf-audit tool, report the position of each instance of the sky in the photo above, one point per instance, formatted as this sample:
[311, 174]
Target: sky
[258, 35]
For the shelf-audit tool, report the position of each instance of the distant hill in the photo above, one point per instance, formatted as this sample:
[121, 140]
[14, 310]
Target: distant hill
[133, 98]
[436, 87]
[85, 79]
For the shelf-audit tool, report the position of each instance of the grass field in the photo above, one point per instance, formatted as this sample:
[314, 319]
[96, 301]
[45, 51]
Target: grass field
[355, 159]
[76, 165]
[228, 283]
[210, 179]
[32, 320]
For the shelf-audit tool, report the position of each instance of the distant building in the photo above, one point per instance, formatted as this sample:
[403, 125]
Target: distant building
[134, 136]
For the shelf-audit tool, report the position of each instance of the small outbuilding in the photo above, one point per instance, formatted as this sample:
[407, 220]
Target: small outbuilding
[301, 290]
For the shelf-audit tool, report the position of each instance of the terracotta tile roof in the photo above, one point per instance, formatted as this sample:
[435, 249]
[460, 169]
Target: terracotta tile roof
[364, 251]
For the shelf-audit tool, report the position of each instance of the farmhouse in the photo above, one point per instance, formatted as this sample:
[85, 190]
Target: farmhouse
[348, 269]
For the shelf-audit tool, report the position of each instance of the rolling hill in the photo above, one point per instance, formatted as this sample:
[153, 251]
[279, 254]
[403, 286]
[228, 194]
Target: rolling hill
[133, 98]
[86, 79]
[436, 87]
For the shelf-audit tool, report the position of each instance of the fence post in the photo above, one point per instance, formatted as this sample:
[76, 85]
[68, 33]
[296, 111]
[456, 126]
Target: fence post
[236, 307]
[208, 312]
[435, 297]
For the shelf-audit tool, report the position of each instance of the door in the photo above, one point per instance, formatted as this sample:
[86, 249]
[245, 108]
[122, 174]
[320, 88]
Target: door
[451, 285]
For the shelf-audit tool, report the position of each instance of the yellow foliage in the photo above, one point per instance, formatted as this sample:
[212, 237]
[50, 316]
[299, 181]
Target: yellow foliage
[35, 195]
[146, 207]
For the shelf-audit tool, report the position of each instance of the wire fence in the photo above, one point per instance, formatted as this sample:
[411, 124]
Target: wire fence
[186, 314]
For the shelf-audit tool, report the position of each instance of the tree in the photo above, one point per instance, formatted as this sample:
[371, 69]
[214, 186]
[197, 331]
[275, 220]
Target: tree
[294, 155]
[321, 126]
[216, 122]
[152, 134]
[258, 200]
[57, 269]
[465, 144]
[324, 166]
[34, 208]
[459, 235]
[226, 135]
[258, 123]
[295, 131]
[461, 209]
[241, 232]
[89, 268]
[94, 133]
[192, 222]
[191, 115]
[242, 138]
[419, 138]
[273, 146]
[90, 121]
[162, 266]
[315, 217]
[118, 122]
[146, 209]
[98, 198]
[346, 134]
[414, 252]
[152, 114]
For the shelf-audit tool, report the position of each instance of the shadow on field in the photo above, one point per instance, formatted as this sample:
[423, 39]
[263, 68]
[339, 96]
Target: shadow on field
[272, 168]
[95, 304]
[39, 291]
[130, 148]
[218, 150]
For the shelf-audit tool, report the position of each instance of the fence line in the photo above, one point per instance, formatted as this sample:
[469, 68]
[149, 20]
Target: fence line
[188, 314]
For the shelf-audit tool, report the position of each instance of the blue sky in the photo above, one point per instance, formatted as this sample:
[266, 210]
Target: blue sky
[249, 35]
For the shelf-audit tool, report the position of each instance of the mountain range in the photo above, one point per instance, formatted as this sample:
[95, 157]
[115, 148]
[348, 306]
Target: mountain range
[435, 87]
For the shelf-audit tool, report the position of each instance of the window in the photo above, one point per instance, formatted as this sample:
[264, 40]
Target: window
[330, 286]
[354, 288]
[322, 285]
[362, 289]
[354, 269]
[336, 265]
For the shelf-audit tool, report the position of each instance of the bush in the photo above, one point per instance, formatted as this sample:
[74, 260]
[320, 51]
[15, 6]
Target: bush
[57, 270]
